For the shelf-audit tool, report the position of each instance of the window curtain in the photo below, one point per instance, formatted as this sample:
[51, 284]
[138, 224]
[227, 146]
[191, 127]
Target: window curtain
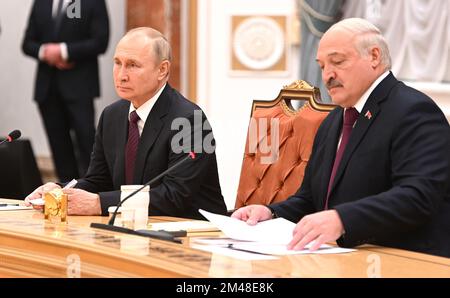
[316, 17]
[417, 31]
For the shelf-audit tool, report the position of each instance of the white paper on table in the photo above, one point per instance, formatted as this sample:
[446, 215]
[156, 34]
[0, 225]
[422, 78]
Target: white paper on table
[268, 237]
[273, 231]
[282, 249]
[266, 248]
[189, 226]
[233, 253]
[12, 208]
[216, 241]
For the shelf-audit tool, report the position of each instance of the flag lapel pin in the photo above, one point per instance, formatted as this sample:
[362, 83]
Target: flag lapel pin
[368, 115]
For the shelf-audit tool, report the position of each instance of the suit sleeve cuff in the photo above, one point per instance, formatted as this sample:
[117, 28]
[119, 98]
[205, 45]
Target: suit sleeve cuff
[274, 214]
[108, 199]
[356, 232]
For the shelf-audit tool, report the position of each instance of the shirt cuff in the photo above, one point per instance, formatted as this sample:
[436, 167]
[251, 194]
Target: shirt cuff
[64, 51]
[41, 52]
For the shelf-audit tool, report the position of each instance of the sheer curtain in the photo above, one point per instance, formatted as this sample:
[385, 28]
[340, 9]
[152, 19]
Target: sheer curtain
[417, 31]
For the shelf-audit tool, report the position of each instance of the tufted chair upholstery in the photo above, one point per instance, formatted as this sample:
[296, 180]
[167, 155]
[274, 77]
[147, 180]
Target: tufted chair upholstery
[263, 182]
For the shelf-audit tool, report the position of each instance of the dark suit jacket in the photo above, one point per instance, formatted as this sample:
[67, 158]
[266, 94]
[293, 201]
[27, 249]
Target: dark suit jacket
[86, 37]
[392, 185]
[193, 185]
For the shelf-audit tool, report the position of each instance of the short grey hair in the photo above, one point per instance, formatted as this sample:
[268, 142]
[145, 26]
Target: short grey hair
[161, 47]
[367, 35]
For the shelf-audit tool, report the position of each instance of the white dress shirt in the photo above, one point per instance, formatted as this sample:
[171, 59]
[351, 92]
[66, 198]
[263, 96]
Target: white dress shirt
[144, 110]
[63, 45]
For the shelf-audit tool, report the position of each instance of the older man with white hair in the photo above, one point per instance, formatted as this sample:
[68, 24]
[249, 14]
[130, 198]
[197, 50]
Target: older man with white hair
[379, 171]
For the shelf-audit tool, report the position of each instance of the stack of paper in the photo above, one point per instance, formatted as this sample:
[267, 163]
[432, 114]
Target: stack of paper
[275, 231]
[267, 238]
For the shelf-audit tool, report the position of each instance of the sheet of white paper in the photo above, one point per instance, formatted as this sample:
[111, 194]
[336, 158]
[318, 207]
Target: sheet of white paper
[282, 249]
[274, 231]
[190, 226]
[242, 255]
[12, 208]
[217, 241]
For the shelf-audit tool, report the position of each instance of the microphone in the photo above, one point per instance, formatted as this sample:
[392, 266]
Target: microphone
[13, 135]
[152, 234]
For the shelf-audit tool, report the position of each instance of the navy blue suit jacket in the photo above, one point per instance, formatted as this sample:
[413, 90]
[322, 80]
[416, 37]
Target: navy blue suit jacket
[392, 185]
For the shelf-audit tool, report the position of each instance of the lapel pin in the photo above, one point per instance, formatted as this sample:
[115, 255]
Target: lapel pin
[368, 115]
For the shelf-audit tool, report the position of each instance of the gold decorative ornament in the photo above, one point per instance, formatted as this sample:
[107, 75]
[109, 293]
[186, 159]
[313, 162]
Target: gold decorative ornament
[55, 205]
[299, 84]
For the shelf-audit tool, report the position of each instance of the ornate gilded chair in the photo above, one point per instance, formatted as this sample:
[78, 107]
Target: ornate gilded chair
[279, 143]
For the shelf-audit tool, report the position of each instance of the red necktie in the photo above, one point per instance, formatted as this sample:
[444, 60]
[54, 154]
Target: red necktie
[350, 116]
[131, 147]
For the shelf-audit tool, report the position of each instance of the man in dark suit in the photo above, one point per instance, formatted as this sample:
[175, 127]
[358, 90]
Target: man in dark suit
[152, 122]
[66, 45]
[383, 179]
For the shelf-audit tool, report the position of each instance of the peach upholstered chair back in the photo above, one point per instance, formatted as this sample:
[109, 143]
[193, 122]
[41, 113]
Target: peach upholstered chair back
[269, 175]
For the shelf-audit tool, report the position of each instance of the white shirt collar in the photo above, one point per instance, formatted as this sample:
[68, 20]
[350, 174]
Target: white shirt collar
[362, 101]
[55, 6]
[144, 110]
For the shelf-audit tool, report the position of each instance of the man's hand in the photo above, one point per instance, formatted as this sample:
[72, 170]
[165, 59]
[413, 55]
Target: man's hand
[63, 65]
[39, 193]
[81, 202]
[253, 214]
[320, 227]
[52, 53]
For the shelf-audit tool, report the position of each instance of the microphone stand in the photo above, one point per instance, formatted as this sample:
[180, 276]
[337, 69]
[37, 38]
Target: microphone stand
[163, 235]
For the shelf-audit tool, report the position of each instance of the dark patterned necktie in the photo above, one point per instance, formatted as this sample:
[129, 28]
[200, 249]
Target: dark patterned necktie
[131, 147]
[350, 117]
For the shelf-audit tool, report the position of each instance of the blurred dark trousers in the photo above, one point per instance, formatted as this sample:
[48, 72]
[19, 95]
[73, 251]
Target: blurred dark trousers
[69, 125]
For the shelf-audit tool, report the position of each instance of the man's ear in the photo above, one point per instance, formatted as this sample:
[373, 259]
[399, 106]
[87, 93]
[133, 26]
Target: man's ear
[164, 69]
[375, 57]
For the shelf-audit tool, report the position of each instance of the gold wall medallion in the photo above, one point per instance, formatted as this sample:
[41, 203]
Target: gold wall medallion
[258, 43]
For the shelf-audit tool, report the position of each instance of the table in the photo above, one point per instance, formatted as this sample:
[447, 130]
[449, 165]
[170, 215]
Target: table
[33, 247]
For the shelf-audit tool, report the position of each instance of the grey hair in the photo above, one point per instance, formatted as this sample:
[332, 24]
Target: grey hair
[161, 47]
[367, 35]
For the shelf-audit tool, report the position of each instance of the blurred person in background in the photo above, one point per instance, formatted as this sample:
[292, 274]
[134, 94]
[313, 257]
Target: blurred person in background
[66, 39]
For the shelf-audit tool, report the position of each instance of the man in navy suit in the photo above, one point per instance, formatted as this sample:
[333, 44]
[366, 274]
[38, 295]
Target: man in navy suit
[66, 46]
[379, 171]
[141, 71]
